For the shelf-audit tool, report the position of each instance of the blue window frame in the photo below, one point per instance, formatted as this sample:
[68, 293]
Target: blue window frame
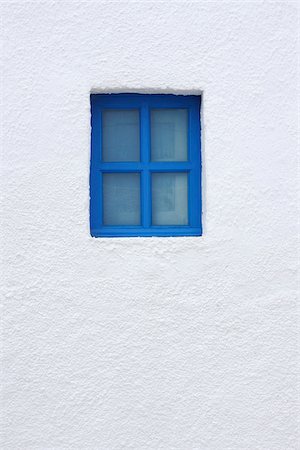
[145, 173]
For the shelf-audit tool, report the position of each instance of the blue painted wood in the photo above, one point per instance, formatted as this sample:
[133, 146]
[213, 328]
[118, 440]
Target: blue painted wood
[145, 158]
[144, 102]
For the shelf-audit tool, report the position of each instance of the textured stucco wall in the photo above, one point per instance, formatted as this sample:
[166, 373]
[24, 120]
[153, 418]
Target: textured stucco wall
[171, 343]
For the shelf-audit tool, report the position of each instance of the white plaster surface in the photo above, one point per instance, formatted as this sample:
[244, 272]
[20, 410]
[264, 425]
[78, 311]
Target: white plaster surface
[150, 343]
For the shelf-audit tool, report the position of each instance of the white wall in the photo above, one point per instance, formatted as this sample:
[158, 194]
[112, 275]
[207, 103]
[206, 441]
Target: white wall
[154, 343]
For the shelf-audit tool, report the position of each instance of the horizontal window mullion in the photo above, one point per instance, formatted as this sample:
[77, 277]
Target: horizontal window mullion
[152, 166]
[156, 167]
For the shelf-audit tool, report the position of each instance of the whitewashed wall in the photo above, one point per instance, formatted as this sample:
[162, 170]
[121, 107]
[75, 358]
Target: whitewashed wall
[150, 343]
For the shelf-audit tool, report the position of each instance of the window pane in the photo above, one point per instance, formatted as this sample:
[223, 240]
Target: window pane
[169, 138]
[169, 199]
[121, 135]
[121, 199]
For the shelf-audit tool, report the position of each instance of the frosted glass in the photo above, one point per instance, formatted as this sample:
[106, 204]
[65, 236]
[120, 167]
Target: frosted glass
[169, 199]
[169, 137]
[121, 135]
[121, 199]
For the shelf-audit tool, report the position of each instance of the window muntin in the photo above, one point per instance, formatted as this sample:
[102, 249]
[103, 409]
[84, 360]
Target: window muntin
[145, 165]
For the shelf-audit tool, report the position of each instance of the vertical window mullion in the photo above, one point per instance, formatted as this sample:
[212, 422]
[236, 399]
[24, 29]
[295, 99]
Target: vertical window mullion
[191, 187]
[145, 158]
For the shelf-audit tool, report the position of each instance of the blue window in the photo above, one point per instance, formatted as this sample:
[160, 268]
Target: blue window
[145, 175]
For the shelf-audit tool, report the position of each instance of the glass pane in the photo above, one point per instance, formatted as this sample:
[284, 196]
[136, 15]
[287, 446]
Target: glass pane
[169, 137]
[121, 135]
[121, 199]
[169, 199]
